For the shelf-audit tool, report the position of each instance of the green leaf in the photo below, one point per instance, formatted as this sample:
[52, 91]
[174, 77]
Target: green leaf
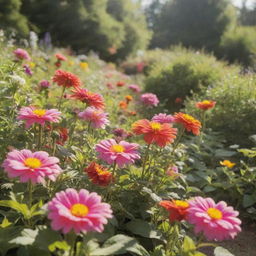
[143, 228]
[221, 153]
[61, 245]
[21, 208]
[5, 223]
[220, 251]
[120, 244]
[249, 200]
[188, 245]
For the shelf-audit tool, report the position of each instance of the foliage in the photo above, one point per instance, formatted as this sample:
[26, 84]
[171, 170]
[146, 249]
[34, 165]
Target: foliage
[193, 23]
[238, 45]
[11, 19]
[185, 73]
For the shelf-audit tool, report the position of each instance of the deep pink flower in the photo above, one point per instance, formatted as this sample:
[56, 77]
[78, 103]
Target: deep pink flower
[120, 153]
[163, 118]
[217, 221]
[21, 54]
[33, 115]
[97, 117]
[149, 99]
[44, 84]
[134, 88]
[27, 70]
[31, 166]
[79, 211]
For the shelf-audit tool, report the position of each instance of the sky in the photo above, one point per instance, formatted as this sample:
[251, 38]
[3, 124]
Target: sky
[236, 2]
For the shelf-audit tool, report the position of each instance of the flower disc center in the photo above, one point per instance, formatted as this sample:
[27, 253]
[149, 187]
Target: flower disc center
[214, 213]
[79, 210]
[32, 163]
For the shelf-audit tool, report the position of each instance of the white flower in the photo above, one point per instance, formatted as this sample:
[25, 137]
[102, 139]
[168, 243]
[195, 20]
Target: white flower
[17, 79]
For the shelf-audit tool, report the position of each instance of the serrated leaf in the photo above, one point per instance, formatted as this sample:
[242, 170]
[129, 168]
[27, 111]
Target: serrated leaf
[5, 223]
[21, 208]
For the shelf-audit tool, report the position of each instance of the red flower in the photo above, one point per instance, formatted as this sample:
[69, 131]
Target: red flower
[98, 174]
[120, 83]
[123, 105]
[178, 100]
[188, 122]
[66, 79]
[90, 98]
[63, 133]
[60, 57]
[206, 104]
[177, 209]
[154, 132]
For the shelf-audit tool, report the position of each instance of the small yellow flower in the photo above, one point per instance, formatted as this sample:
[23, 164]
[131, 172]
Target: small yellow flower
[71, 63]
[32, 64]
[84, 65]
[227, 163]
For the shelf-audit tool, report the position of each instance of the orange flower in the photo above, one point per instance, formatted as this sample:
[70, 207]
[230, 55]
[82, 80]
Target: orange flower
[66, 79]
[178, 100]
[120, 83]
[123, 105]
[206, 104]
[132, 113]
[227, 163]
[188, 122]
[128, 98]
[154, 132]
[90, 98]
[176, 208]
[98, 174]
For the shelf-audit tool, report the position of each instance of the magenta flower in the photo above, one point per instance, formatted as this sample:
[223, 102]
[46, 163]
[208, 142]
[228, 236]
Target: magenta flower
[27, 70]
[163, 118]
[44, 84]
[31, 166]
[79, 211]
[134, 88]
[21, 54]
[149, 99]
[120, 153]
[33, 115]
[216, 221]
[97, 117]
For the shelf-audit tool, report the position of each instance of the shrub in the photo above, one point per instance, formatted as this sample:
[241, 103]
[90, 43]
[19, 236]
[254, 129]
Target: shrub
[187, 72]
[235, 110]
[239, 45]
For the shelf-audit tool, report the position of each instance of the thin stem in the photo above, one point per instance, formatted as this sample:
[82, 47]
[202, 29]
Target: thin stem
[30, 192]
[61, 97]
[71, 238]
[114, 169]
[145, 161]
[40, 134]
[203, 125]
[178, 140]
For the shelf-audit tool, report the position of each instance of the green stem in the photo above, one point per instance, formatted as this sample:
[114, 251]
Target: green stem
[61, 97]
[178, 140]
[40, 134]
[30, 192]
[203, 125]
[114, 169]
[145, 161]
[71, 238]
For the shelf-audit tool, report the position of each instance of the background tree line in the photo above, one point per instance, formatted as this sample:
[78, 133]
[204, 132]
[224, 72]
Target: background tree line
[118, 28]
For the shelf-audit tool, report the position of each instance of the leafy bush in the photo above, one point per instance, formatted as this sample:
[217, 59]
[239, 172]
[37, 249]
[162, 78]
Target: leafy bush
[187, 72]
[235, 110]
[238, 45]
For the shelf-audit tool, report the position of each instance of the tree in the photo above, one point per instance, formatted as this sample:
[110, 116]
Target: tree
[11, 19]
[193, 23]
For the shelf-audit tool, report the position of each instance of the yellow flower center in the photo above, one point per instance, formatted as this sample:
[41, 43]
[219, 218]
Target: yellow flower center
[206, 102]
[188, 117]
[32, 163]
[39, 112]
[214, 213]
[117, 148]
[181, 203]
[155, 126]
[79, 210]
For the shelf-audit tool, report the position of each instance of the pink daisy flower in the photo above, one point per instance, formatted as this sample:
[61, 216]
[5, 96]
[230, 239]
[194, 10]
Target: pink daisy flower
[149, 99]
[21, 54]
[134, 88]
[79, 211]
[163, 118]
[120, 153]
[33, 115]
[31, 166]
[216, 221]
[97, 117]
